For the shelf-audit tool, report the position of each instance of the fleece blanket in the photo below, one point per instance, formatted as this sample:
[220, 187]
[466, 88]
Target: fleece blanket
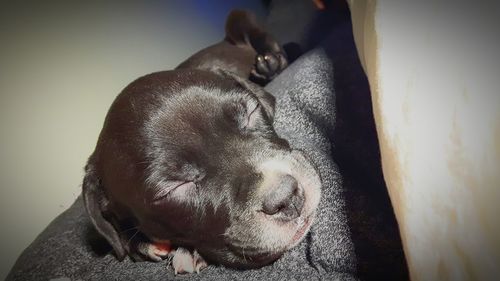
[70, 249]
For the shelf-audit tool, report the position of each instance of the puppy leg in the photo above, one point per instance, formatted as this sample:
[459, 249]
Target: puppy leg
[268, 65]
[184, 261]
[154, 251]
[242, 29]
[141, 248]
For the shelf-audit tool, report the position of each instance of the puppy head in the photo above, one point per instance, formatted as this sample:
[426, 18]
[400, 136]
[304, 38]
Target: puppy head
[215, 175]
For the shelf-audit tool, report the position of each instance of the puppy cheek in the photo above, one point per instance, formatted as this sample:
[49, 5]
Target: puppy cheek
[167, 220]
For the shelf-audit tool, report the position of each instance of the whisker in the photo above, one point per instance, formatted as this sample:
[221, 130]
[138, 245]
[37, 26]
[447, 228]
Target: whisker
[129, 240]
[243, 251]
[128, 229]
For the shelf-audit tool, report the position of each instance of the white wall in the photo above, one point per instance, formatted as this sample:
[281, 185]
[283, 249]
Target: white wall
[61, 65]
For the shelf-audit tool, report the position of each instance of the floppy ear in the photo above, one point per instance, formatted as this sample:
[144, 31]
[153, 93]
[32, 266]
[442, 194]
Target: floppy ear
[95, 201]
[266, 99]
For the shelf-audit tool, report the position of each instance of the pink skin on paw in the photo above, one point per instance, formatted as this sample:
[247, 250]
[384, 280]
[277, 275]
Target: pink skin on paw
[162, 248]
[155, 251]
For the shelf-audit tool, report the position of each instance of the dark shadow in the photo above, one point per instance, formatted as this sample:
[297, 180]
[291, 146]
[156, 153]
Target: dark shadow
[354, 140]
[98, 245]
[293, 51]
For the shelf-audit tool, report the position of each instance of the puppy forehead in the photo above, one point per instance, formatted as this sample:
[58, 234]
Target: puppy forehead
[195, 105]
[193, 124]
[187, 112]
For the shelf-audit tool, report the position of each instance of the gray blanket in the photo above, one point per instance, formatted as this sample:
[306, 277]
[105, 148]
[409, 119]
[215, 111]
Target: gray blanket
[69, 248]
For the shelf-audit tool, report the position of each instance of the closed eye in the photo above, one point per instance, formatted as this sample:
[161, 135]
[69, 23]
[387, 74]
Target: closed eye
[253, 114]
[174, 189]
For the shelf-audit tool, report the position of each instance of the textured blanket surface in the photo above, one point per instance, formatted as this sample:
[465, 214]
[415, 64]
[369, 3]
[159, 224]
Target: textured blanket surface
[70, 249]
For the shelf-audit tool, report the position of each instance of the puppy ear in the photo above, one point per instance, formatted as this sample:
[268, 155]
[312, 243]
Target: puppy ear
[265, 99]
[95, 201]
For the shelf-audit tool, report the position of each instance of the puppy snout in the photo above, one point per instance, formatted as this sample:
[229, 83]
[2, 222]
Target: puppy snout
[286, 200]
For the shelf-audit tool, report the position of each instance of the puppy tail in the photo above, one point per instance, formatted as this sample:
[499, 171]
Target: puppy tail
[95, 201]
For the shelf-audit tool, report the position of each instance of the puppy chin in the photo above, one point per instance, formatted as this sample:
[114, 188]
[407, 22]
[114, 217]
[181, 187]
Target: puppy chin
[297, 230]
[292, 234]
[303, 228]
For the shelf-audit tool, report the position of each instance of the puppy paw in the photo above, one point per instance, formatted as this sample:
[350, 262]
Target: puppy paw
[268, 65]
[154, 251]
[184, 261]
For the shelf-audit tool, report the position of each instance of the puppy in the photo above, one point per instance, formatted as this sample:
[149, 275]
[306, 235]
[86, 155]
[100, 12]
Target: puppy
[189, 159]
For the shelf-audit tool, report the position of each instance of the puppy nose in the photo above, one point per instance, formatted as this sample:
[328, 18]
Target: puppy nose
[286, 200]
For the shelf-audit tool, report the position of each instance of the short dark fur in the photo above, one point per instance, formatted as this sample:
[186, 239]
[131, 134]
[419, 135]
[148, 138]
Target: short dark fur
[189, 124]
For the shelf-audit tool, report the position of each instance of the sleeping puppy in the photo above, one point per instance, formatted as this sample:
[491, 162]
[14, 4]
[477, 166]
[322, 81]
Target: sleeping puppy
[188, 164]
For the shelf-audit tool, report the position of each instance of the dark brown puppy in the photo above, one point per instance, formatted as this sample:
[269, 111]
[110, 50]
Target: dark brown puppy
[190, 157]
